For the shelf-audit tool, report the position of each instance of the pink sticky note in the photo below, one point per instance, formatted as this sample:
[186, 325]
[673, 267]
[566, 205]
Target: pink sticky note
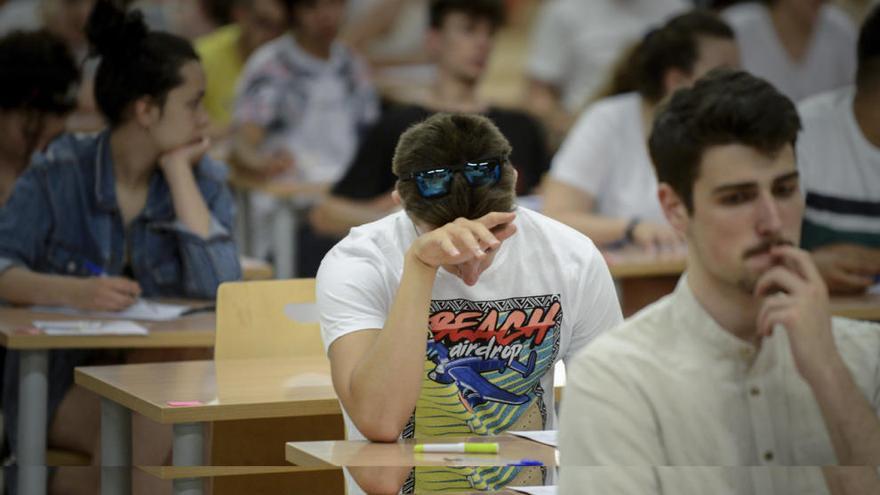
[184, 403]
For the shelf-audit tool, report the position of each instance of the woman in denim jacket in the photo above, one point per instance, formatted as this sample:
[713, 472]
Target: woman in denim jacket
[140, 202]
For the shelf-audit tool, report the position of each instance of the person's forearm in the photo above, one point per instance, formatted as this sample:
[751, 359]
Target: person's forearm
[189, 205]
[21, 286]
[336, 216]
[601, 230]
[386, 383]
[852, 424]
[849, 480]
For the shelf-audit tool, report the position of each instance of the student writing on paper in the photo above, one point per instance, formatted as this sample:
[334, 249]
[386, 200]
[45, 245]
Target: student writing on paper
[139, 200]
[446, 318]
[739, 382]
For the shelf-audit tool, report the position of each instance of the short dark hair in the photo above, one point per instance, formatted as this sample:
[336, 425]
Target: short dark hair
[492, 10]
[135, 62]
[37, 72]
[674, 45]
[869, 50]
[446, 140]
[724, 107]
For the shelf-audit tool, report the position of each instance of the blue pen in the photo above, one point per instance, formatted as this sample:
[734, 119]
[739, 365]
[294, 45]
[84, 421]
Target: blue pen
[94, 269]
[526, 462]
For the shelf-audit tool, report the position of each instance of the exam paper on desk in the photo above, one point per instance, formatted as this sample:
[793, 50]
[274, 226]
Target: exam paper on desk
[91, 327]
[140, 310]
[547, 437]
[535, 490]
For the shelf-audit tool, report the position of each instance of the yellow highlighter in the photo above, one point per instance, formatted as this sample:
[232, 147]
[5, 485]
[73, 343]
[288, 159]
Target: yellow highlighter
[457, 448]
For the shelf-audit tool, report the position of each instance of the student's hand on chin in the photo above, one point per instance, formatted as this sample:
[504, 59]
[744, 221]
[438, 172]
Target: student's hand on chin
[793, 295]
[463, 240]
[105, 293]
[188, 154]
[847, 268]
[279, 162]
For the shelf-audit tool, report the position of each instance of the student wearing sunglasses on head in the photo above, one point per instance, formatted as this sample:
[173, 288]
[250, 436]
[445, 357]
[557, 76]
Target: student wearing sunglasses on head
[503, 291]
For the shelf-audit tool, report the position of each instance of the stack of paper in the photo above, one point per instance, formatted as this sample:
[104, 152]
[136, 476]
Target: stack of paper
[140, 310]
[91, 327]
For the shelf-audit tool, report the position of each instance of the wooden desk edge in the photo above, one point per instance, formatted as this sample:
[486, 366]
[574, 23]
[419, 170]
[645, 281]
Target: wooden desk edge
[177, 339]
[180, 472]
[105, 390]
[301, 459]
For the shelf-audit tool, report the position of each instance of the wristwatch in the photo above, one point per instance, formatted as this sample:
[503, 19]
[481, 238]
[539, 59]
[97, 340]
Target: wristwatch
[628, 233]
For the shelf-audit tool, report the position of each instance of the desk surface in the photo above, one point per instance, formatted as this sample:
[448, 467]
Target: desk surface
[633, 263]
[225, 390]
[864, 307]
[17, 332]
[348, 453]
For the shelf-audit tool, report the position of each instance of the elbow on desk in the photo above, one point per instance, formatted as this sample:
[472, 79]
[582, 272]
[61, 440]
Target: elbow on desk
[377, 431]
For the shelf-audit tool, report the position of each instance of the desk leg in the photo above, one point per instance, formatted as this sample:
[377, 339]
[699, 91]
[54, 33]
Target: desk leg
[115, 448]
[189, 444]
[33, 397]
[284, 226]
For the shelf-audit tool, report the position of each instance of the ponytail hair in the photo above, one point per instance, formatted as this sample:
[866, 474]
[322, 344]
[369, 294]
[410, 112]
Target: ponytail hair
[135, 62]
[674, 45]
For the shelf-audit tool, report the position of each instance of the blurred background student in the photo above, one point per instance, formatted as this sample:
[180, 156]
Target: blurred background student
[38, 87]
[602, 181]
[839, 161]
[138, 204]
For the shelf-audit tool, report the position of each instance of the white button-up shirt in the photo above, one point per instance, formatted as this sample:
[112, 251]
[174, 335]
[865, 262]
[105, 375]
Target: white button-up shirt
[671, 403]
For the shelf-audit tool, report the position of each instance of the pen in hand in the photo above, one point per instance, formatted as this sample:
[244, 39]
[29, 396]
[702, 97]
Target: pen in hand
[97, 271]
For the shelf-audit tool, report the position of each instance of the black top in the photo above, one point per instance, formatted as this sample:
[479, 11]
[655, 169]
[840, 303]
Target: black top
[369, 174]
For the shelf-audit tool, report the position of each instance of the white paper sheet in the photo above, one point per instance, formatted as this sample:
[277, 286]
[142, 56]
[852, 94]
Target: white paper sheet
[534, 490]
[547, 437]
[140, 310]
[91, 327]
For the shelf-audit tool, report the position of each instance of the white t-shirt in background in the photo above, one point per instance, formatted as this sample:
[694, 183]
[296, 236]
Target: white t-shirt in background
[830, 61]
[490, 360]
[606, 155]
[575, 43]
[840, 173]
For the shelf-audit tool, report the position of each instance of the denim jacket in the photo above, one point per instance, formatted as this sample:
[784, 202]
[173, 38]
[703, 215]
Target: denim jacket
[63, 213]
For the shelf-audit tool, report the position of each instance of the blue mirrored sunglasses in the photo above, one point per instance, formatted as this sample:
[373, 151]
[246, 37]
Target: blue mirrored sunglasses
[437, 182]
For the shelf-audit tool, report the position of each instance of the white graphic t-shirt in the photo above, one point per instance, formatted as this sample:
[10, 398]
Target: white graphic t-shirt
[491, 347]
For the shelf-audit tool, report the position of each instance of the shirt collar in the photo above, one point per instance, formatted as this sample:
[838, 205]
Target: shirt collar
[158, 206]
[689, 314]
[105, 190]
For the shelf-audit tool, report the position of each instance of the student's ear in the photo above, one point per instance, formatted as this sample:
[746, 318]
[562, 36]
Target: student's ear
[146, 112]
[432, 43]
[673, 207]
[675, 79]
[395, 196]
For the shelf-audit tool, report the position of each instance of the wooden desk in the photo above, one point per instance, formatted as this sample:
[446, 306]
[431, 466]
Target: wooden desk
[361, 453]
[218, 390]
[643, 277]
[864, 307]
[17, 333]
[294, 197]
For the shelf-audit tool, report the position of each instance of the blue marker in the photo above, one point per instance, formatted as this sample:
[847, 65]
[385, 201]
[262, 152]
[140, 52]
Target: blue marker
[527, 462]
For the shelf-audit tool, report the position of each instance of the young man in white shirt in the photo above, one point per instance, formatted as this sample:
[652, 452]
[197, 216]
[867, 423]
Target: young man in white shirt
[803, 47]
[839, 155]
[740, 380]
[446, 318]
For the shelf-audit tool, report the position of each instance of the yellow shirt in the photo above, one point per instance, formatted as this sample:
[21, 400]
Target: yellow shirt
[223, 64]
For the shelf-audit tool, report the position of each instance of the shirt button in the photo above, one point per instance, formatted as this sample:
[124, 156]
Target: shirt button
[746, 352]
[755, 391]
[768, 456]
